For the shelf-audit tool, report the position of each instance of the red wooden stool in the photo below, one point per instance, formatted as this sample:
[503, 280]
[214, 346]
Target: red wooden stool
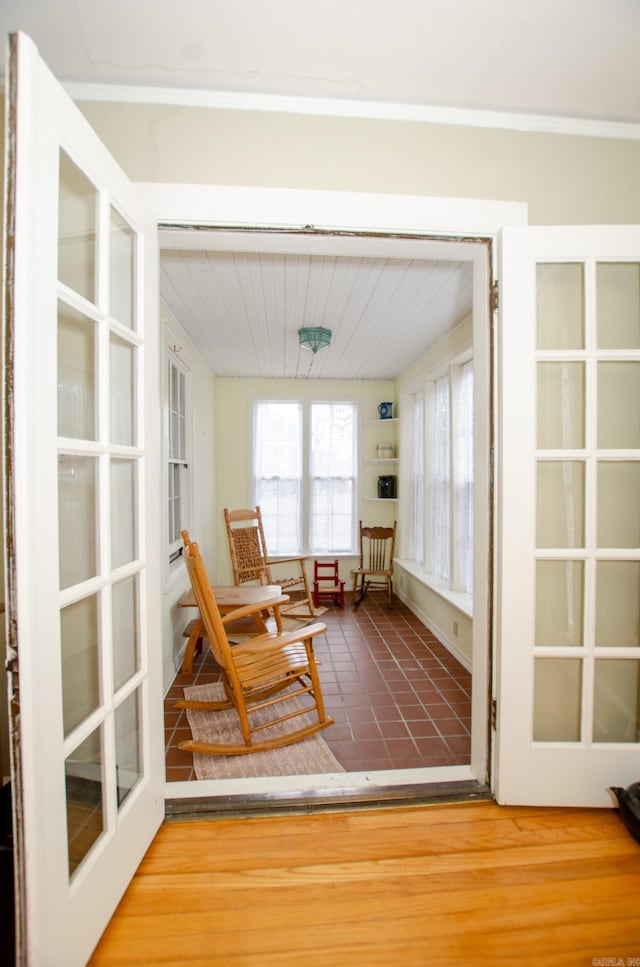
[335, 590]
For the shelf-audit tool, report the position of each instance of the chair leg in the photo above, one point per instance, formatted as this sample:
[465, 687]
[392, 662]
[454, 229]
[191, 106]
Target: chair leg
[297, 609]
[359, 595]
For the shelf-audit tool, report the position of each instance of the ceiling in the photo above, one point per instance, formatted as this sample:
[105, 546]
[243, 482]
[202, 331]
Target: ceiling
[574, 58]
[243, 310]
[561, 58]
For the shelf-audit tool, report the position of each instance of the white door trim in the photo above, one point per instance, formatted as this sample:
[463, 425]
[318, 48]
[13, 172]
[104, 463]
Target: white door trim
[382, 216]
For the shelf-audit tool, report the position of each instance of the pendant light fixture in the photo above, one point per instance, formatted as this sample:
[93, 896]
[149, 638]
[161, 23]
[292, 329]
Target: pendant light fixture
[314, 338]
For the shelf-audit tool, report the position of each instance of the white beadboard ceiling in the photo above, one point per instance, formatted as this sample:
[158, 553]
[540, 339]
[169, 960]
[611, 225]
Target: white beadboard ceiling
[242, 310]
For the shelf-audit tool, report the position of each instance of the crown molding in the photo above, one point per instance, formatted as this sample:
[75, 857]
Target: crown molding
[334, 107]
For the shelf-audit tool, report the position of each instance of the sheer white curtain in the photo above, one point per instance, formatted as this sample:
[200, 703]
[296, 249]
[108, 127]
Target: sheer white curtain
[277, 468]
[333, 462]
[417, 480]
[450, 546]
[462, 471]
[440, 536]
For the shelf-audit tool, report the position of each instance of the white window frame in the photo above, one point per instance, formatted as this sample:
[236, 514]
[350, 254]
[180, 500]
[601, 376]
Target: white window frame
[177, 357]
[305, 488]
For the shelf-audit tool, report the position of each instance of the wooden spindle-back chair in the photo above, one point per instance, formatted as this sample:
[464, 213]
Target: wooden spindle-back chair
[375, 572]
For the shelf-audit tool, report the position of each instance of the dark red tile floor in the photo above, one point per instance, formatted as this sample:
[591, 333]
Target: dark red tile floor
[399, 699]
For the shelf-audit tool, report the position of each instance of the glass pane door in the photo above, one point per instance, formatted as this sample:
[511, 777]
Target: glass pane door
[588, 392]
[83, 517]
[99, 508]
[574, 656]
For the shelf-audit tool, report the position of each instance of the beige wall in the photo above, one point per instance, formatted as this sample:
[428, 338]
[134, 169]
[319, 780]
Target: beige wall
[565, 179]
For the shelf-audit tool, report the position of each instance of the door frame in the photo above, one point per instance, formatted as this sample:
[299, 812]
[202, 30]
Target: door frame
[189, 210]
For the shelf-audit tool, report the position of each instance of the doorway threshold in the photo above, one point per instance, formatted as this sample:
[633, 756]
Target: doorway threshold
[350, 795]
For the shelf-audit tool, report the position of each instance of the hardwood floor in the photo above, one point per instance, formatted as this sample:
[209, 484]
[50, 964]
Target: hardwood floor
[473, 883]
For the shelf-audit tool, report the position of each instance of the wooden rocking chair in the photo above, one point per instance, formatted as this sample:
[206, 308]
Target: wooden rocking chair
[377, 547]
[250, 561]
[256, 674]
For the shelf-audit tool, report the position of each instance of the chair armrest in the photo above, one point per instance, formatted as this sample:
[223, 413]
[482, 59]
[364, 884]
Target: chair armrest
[262, 644]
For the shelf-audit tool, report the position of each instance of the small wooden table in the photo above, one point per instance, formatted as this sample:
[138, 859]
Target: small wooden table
[228, 598]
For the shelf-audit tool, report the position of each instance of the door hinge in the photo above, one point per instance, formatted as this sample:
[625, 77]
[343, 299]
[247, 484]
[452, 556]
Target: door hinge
[494, 713]
[495, 295]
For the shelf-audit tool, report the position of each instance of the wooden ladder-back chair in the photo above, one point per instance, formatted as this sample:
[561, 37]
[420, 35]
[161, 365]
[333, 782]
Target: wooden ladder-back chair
[377, 547]
[250, 561]
[257, 674]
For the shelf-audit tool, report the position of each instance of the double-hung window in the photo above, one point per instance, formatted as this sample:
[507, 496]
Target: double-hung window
[178, 488]
[305, 463]
[451, 478]
[443, 477]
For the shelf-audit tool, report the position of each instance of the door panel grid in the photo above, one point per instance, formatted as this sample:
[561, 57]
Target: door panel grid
[83, 595]
[568, 669]
[588, 399]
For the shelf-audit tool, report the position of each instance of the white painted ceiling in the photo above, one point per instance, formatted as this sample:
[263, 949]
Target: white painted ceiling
[576, 58]
[243, 310]
[561, 58]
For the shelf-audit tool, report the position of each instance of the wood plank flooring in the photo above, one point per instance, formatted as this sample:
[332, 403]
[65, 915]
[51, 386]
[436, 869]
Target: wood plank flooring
[473, 883]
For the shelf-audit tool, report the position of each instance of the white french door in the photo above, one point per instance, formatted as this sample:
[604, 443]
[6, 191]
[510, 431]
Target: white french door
[82, 450]
[568, 608]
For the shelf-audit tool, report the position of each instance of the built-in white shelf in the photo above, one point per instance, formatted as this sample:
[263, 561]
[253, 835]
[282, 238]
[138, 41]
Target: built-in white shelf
[385, 438]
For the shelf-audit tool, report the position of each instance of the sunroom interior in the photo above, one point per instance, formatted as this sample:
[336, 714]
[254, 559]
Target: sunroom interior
[401, 314]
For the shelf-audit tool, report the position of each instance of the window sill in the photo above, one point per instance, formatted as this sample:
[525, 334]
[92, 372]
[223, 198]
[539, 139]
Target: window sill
[320, 555]
[463, 602]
